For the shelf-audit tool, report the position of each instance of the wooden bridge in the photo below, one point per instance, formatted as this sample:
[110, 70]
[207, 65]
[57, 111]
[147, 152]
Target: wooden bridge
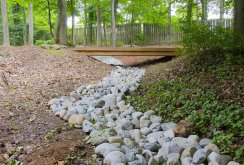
[128, 51]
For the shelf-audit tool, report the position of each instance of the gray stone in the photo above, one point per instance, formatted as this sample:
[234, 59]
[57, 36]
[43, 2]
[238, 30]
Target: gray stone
[180, 141]
[211, 148]
[144, 123]
[62, 113]
[186, 161]
[149, 113]
[155, 119]
[199, 156]
[233, 163]
[169, 134]
[130, 156]
[80, 109]
[67, 116]
[154, 136]
[152, 161]
[137, 115]
[105, 148]
[188, 152]
[193, 139]
[115, 157]
[168, 126]
[109, 100]
[155, 127]
[136, 123]
[220, 159]
[126, 124]
[129, 143]
[174, 148]
[154, 147]
[141, 159]
[87, 126]
[116, 139]
[136, 134]
[173, 159]
[147, 154]
[204, 142]
[145, 131]
[159, 158]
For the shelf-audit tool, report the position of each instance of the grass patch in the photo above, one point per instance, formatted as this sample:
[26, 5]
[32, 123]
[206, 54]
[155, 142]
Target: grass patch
[53, 52]
[210, 94]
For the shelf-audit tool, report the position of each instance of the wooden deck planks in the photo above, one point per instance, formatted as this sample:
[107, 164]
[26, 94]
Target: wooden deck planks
[132, 51]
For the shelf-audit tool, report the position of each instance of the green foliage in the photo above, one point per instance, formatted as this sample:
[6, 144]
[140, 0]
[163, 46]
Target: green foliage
[210, 96]
[48, 42]
[199, 39]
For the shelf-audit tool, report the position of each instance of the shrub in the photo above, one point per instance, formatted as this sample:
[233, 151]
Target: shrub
[39, 42]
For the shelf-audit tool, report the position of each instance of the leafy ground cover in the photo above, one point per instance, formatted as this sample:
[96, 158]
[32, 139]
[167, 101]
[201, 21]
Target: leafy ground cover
[210, 93]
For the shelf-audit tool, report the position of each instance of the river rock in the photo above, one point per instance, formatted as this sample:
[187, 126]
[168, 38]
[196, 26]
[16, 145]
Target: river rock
[76, 119]
[155, 119]
[115, 157]
[204, 142]
[233, 163]
[155, 127]
[145, 131]
[168, 126]
[106, 148]
[211, 148]
[193, 139]
[186, 161]
[173, 159]
[154, 147]
[199, 156]
[188, 152]
[116, 139]
[144, 123]
[153, 161]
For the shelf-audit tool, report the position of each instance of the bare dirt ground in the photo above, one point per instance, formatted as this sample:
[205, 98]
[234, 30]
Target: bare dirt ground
[29, 78]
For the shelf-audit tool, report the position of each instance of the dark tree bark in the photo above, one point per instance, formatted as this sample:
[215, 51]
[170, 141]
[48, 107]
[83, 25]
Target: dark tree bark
[90, 24]
[73, 21]
[105, 33]
[50, 18]
[169, 17]
[85, 23]
[239, 17]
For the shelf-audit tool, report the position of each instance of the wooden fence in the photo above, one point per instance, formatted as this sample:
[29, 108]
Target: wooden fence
[132, 34]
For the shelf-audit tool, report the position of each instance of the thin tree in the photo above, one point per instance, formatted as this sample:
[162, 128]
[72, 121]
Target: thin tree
[25, 33]
[57, 32]
[113, 23]
[50, 18]
[99, 24]
[204, 11]
[6, 41]
[169, 16]
[189, 12]
[85, 23]
[73, 21]
[63, 21]
[31, 25]
[239, 17]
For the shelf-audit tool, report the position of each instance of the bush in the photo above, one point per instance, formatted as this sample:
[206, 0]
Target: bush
[39, 42]
[201, 40]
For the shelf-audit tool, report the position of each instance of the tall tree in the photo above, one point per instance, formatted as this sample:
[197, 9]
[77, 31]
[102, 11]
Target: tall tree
[31, 25]
[73, 21]
[169, 16]
[24, 27]
[113, 23]
[221, 10]
[90, 25]
[189, 12]
[204, 11]
[63, 27]
[239, 17]
[99, 24]
[85, 22]
[50, 18]
[6, 41]
[57, 32]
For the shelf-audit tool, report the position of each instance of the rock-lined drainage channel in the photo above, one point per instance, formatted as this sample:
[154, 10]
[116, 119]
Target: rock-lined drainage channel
[123, 135]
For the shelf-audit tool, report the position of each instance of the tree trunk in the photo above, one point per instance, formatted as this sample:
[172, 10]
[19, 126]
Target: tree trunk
[24, 27]
[113, 23]
[73, 22]
[169, 17]
[31, 26]
[63, 22]
[239, 17]
[57, 33]
[85, 23]
[6, 41]
[204, 11]
[50, 18]
[105, 33]
[99, 26]
[90, 23]
[189, 12]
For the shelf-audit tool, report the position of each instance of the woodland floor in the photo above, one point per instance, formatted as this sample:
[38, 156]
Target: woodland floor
[34, 76]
